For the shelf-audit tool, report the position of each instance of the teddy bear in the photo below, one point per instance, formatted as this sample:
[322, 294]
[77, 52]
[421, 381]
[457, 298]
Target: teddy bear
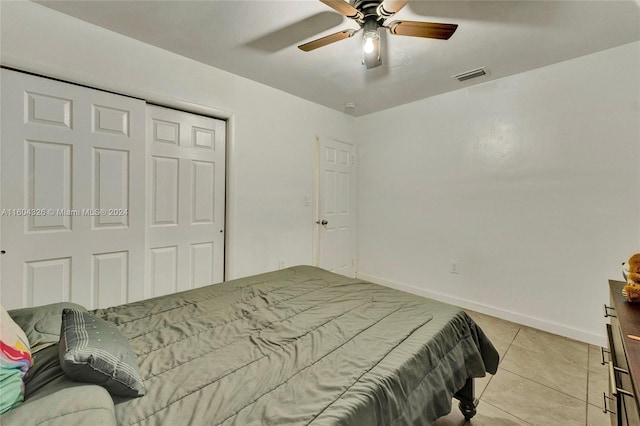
[631, 273]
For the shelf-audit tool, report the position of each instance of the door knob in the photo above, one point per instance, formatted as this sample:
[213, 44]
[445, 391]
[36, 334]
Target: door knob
[321, 222]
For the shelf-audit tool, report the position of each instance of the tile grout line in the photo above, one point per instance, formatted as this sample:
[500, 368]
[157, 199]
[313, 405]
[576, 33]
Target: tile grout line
[586, 396]
[500, 362]
[485, 388]
[543, 385]
[546, 386]
[506, 412]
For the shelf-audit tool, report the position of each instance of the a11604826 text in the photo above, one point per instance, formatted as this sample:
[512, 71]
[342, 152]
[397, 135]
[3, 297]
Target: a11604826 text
[64, 212]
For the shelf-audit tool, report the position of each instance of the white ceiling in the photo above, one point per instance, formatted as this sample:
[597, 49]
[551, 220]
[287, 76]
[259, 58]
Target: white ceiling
[257, 39]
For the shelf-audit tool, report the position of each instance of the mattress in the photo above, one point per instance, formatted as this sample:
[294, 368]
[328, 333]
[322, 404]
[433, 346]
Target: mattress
[300, 346]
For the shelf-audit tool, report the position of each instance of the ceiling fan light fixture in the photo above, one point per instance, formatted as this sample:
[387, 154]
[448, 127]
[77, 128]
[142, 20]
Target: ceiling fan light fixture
[370, 36]
[371, 44]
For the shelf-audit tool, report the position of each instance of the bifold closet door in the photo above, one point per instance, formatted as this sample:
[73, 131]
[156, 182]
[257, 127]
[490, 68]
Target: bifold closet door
[72, 194]
[185, 200]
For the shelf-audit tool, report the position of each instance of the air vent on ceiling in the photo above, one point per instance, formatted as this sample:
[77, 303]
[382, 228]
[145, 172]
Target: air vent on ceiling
[470, 74]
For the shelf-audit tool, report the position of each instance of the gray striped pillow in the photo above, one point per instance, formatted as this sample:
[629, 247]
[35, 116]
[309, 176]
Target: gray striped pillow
[95, 351]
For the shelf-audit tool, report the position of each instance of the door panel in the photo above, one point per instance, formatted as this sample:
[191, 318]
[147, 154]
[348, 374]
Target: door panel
[336, 195]
[72, 194]
[48, 162]
[164, 188]
[111, 278]
[111, 186]
[186, 196]
[47, 280]
[164, 270]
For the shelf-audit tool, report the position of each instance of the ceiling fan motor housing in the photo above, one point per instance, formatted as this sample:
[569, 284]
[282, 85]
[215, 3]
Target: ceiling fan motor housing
[369, 9]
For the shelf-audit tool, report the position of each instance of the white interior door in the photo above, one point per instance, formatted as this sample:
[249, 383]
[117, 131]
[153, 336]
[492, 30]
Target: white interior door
[336, 207]
[72, 197]
[185, 199]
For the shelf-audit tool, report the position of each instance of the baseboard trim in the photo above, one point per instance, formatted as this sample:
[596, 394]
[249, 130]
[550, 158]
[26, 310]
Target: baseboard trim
[540, 324]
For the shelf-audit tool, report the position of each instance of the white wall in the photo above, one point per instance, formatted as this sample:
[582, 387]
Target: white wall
[531, 182]
[272, 154]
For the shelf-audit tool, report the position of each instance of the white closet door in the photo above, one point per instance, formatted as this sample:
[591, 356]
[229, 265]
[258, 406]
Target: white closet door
[185, 200]
[72, 194]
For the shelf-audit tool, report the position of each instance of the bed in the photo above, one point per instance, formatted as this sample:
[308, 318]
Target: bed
[300, 346]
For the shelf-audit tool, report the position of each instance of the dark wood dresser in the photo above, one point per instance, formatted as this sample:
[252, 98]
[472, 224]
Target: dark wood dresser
[622, 399]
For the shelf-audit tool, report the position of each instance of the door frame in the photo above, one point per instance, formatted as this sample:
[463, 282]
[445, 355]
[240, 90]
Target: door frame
[353, 201]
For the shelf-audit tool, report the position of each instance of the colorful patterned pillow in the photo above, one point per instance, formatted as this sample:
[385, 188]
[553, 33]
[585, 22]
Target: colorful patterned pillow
[15, 360]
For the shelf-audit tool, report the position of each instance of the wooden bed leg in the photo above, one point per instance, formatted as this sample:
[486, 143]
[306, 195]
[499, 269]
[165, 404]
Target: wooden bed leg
[466, 396]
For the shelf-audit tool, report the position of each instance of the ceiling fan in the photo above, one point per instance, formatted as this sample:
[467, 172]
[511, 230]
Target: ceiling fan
[371, 16]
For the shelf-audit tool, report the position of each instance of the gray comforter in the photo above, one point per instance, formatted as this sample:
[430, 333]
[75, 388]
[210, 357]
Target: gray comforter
[298, 346]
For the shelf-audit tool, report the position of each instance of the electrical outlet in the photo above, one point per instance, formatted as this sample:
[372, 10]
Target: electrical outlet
[454, 267]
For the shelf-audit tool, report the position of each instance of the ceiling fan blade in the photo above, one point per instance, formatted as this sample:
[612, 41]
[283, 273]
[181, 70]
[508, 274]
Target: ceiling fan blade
[391, 7]
[344, 8]
[323, 41]
[422, 29]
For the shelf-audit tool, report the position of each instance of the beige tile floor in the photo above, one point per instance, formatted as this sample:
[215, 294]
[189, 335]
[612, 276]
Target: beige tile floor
[543, 379]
